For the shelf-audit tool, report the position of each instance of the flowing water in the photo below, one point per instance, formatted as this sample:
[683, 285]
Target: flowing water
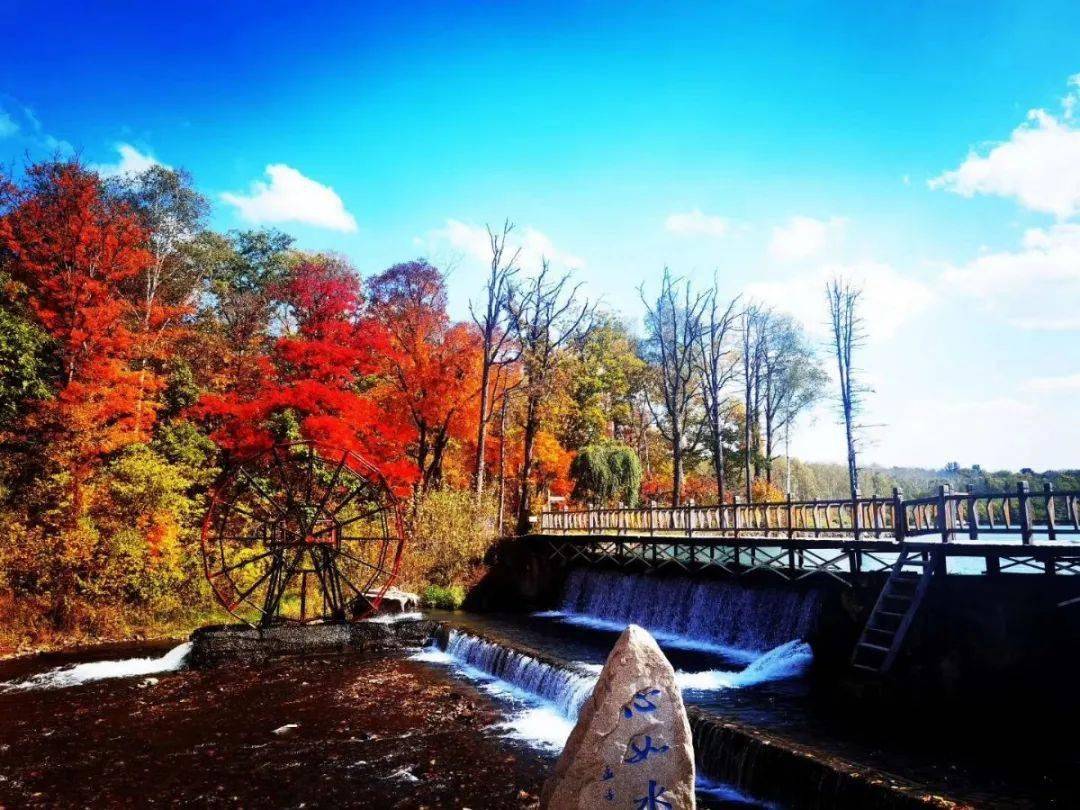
[721, 615]
[75, 674]
[721, 639]
[740, 654]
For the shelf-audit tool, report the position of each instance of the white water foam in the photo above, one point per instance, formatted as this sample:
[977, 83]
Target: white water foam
[391, 618]
[530, 719]
[786, 661]
[62, 677]
[545, 700]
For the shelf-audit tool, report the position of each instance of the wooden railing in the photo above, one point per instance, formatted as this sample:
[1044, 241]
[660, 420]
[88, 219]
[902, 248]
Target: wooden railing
[1022, 514]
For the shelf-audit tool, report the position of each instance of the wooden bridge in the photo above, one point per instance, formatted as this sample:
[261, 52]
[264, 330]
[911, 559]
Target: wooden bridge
[912, 541]
[991, 533]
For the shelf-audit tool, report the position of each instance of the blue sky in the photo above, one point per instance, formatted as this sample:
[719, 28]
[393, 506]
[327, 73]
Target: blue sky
[776, 146]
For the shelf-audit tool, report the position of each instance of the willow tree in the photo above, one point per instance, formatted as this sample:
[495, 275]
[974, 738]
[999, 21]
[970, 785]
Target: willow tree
[606, 472]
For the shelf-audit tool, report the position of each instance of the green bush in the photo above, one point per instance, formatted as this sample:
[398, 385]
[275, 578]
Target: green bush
[445, 598]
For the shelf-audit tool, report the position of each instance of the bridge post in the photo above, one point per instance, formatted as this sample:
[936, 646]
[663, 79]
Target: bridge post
[855, 515]
[942, 512]
[1051, 529]
[652, 517]
[791, 536]
[1022, 493]
[690, 518]
[899, 514]
[973, 521]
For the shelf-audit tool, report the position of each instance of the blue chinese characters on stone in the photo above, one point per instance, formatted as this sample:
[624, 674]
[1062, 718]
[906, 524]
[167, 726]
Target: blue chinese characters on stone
[642, 702]
[608, 773]
[654, 800]
[610, 795]
[640, 747]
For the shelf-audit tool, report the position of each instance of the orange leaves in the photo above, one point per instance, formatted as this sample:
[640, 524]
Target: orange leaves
[431, 366]
[74, 248]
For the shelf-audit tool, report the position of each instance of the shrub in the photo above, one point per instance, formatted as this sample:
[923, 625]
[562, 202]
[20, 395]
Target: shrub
[445, 598]
[450, 535]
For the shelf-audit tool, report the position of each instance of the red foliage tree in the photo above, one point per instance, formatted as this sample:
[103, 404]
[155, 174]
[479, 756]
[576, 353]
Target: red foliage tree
[432, 366]
[74, 247]
[317, 373]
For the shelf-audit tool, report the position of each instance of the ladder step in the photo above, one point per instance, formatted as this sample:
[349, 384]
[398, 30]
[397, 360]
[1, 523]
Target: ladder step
[897, 597]
[878, 628]
[890, 614]
[875, 647]
[884, 631]
[866, 668]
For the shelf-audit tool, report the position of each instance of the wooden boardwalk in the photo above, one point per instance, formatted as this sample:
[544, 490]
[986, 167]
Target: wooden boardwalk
[962, 532]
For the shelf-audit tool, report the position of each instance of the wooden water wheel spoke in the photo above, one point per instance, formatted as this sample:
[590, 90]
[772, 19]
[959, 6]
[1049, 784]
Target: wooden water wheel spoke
[321, 508]
[365, 563]
[362, 516]
[243, 563]
[355, 491]
[274, 542]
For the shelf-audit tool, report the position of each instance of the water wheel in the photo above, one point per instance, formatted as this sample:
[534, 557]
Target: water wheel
[300, 533]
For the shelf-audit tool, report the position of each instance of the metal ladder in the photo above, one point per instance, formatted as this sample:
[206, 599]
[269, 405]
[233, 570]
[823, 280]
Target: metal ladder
[891, 617]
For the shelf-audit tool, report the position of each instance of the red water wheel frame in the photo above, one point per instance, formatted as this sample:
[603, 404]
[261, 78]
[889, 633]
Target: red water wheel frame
[302, 533]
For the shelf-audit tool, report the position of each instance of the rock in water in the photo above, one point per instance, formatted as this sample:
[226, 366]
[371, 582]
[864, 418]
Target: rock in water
[631, 747]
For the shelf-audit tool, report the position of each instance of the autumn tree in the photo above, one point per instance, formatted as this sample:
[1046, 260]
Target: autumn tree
[172, 214]
[75, 249]
[673, 322]
[753, 331]
[546, 313]
[791, 381]
[496, 349]
[432, 364]
[312, 381]
[718, 366]
[605, 376]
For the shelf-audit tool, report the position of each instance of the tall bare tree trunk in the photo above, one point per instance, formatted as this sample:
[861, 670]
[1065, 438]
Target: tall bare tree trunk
[501, 518]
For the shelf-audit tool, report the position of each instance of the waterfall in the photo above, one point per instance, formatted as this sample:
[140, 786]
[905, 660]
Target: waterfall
[708, 612]
[564, 688]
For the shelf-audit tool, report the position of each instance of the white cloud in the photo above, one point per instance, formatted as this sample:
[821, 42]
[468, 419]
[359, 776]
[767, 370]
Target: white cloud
[1053, 385]
[7, 125]
[697, 223]
[292, 197]
[889, 299]
[1036, 287]
[804, 237]
[131, 161]
[473, 241]
[1039, 165]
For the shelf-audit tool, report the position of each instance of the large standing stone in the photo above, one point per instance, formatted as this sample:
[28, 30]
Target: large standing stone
[631, 747]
